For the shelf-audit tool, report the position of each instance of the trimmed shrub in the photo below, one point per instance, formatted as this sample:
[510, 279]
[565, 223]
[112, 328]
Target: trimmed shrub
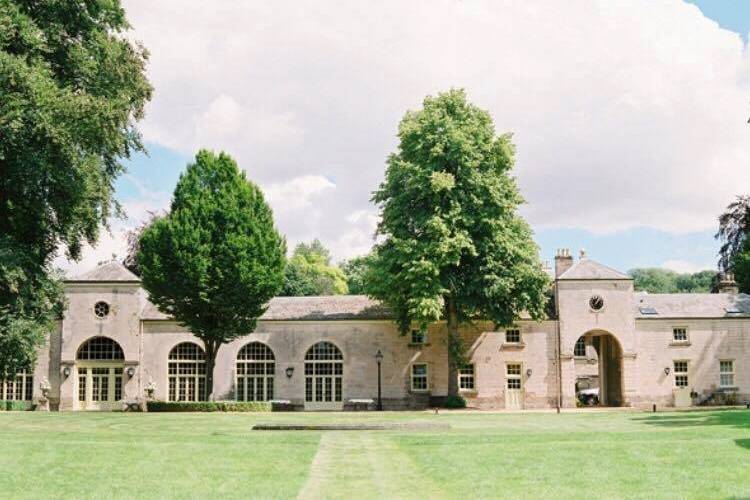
[455, 402]
[208, 406]
[14, 405]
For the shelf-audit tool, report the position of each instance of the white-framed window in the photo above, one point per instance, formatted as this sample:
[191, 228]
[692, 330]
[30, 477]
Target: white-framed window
[18, 388]
[513, 336]
[324, 373]
[187, 373]
[726, 373]
[466, 380]
[579, 350]
[681, 374]
[513, 375]
[418, 337]
[256, 366]
[419, 377]
[679, 334]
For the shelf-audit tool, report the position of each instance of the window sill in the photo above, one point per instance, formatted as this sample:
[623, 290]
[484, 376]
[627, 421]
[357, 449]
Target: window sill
[468, 392]
[679, 343]
[419, 345]
[512, 345]
[420, 391]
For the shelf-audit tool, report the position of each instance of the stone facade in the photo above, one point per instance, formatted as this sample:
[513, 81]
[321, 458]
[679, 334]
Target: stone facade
[630, 353]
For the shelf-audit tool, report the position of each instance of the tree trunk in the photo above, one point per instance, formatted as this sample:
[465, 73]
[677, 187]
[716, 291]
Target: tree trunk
[212, 348]
[454, 345]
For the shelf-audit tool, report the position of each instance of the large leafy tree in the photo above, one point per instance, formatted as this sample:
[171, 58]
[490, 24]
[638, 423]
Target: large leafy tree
[72, 86]
[310, 272]
[734, 254]
[454, 246]
[355, 270]
[215, 259]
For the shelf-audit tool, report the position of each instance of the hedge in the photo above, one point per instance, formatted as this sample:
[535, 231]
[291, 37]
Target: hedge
[14, 405]
[455, 402]
[208, 406]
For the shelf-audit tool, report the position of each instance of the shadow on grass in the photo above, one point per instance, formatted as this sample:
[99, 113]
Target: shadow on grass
[739, 419]
[733, 418]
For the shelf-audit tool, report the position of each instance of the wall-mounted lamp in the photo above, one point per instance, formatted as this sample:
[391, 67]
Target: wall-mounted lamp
[666, 370]
[289, 371]
[528, 372]
[130, 371]
[66, 372]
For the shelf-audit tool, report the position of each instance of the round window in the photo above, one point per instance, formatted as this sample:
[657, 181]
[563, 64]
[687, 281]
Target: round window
[101, 309]
[596, 302]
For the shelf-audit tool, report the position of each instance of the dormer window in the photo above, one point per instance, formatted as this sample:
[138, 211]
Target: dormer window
[101, 309]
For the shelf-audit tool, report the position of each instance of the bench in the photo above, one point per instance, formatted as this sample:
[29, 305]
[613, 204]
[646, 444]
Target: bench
[281, 405]
[363, 404]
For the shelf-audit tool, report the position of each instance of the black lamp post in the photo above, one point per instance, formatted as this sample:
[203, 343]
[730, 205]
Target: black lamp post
[379, 359]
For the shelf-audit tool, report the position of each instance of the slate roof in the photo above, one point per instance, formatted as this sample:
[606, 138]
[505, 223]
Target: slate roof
[111, 271]
[329, 307]
[587, 269]
[692, 305]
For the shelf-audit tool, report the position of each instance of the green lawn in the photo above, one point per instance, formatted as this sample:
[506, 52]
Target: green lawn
[596, 454]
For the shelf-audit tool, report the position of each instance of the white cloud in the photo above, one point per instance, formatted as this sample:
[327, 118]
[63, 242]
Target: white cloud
[683, 266]
[625, 114]
[296, 193]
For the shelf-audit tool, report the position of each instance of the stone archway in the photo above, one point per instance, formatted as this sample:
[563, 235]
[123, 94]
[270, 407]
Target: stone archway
[605, 351]
[609, 353]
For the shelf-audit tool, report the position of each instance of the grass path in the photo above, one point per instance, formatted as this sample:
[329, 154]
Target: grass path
[371, 466]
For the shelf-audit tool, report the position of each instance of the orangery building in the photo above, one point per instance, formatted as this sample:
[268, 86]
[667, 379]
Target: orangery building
[113, 348]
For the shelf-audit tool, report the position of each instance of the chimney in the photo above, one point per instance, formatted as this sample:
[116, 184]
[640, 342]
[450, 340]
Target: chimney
[727, 283]
[563, 261]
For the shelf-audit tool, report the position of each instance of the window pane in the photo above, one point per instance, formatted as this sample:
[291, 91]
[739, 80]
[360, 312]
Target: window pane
[513, 335]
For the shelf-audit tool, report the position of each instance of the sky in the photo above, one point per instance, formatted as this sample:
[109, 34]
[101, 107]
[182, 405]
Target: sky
[629, 118]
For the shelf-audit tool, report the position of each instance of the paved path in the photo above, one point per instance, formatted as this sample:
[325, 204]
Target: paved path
[361, 465]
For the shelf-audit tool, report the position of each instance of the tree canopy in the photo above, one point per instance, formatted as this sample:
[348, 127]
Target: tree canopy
[657, 280]
[734, 254]
[215, 259]
[355, 270]
[454, 246]
[72, 86]
[310, 272]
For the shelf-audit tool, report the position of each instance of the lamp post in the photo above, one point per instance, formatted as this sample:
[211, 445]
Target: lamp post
[379, 359]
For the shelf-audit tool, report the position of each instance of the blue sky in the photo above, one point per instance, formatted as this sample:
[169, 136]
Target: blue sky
[629, 120]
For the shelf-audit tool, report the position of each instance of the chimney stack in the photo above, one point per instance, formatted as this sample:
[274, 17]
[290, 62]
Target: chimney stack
[727, 283]
[563, 261]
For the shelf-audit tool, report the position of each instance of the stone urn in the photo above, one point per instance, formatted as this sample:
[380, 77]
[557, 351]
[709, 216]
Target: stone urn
[43, 402]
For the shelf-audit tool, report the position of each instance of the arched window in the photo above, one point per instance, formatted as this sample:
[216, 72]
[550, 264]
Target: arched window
[100, 349]
[255, 369]
[187, 373]
[324, 371]
[99, 365]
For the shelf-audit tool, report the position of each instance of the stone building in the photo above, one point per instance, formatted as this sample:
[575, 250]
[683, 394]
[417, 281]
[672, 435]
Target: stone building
[318, 353]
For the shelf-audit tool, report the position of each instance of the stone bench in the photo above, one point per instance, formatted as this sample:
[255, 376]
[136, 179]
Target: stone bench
[281, 405]
[359, 405]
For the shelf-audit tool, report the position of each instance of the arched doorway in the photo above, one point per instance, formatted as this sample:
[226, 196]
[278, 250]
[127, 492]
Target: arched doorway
[99, 366]
[256, 365]
[602, 386]
[187, 373]
[324, 377]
